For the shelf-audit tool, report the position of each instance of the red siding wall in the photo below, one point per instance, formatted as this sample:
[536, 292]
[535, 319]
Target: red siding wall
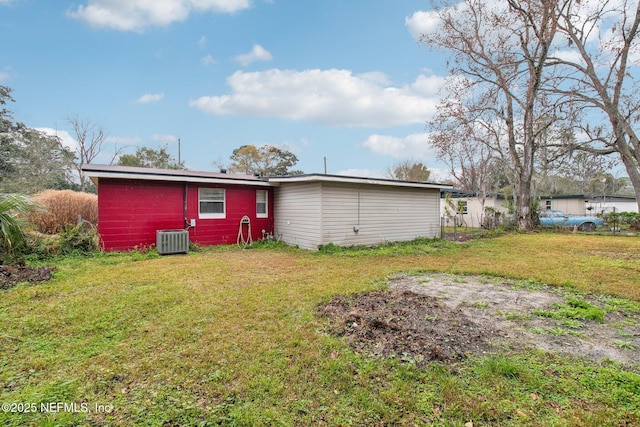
[130, 212]
[240, 201]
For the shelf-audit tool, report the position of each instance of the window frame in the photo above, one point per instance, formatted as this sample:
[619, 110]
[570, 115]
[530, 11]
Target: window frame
[202, 199]
[264, 214]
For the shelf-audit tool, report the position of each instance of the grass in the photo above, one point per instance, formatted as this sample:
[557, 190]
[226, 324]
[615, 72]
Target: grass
[574, 308]
[480, 304]
[227, 336]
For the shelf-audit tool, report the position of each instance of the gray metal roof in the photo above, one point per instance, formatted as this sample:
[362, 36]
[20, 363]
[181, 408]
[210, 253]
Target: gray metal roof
[151, 174]
[129, 172]
[354, 180]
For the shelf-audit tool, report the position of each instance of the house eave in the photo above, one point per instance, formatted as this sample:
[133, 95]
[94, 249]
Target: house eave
[355, 180]
[95, 172]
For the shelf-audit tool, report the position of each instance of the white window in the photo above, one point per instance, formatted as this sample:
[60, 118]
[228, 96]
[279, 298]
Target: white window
[211, 203]
[262, 199]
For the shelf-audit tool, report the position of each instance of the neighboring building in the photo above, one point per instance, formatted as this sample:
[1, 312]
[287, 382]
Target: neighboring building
[606, 204]
[581, 204]
[571, 205]
[470, 209]
[304, 210]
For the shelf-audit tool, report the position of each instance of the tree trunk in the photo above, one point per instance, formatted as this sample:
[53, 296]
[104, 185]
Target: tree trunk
[633, 170]
[523, 206]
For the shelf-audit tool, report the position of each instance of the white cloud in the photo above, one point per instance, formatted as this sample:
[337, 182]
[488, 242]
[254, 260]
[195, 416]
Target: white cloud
[333, 97]
[422, 22]
[124, 140]
[4, 76]
[439, 174]
[136, 15]
[207, 60]
[164, 139]
[605, 35]
[65, 137]
[570, 55]
[428, 85]
[203, 41]
[362, 172]
[426, 22]
[258, 53]
[376, 77]
[149, 98]
[413, 146]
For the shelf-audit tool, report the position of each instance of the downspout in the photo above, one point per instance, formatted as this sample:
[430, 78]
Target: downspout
[356, 228]
[184, 207]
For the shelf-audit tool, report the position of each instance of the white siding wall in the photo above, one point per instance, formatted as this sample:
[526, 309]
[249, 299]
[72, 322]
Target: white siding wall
[379, 213]
[297, 214]
[569, 206]
[607, 207]
[621, 207]
[475, 209]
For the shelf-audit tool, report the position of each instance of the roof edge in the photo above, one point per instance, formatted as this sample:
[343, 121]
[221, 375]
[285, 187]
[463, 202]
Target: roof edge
[355, 180]
[129, 172]
[179, 175]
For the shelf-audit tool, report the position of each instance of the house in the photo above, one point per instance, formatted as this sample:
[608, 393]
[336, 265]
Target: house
[470, 209]
[304, 210]
[134, 203]
[585, 205]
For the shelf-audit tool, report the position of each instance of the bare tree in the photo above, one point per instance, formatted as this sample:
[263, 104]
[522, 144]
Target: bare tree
[594, 76]
[90, 138]
[501, 50]
[466, 144]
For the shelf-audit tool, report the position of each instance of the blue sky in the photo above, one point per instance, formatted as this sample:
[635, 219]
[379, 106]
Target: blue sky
[345, 80]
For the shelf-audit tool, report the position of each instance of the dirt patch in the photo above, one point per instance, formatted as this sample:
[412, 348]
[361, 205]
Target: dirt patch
[406, 324]
[11, 275]
[448, 317]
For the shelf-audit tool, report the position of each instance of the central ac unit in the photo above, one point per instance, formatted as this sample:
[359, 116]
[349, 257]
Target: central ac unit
[172, 242]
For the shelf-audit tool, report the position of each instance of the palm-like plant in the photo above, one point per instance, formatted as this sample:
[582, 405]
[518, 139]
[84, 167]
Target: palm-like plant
[12, 208]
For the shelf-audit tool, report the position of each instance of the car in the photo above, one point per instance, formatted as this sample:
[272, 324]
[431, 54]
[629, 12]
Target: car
[551, 218]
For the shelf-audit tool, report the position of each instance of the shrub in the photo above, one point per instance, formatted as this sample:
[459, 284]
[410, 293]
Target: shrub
[62, 210]
[628, 219]
[80, 239]
[12, 225]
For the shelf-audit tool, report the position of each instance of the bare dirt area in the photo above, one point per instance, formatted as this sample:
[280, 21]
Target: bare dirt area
[449, 317]
[11, 275]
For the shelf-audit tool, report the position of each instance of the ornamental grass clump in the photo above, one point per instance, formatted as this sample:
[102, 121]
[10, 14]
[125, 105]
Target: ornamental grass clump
[63, 209]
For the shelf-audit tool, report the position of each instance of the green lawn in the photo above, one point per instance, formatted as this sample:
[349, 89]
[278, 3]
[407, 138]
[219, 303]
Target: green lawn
[230, 337]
